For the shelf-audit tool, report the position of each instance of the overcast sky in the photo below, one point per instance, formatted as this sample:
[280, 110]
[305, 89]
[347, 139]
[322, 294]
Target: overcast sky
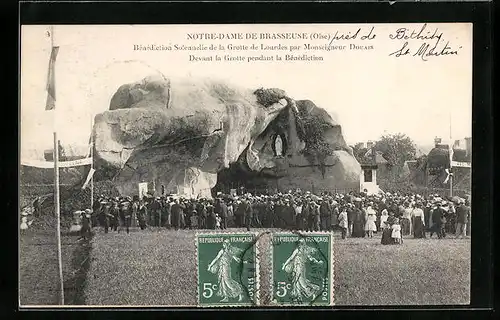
[369, 92]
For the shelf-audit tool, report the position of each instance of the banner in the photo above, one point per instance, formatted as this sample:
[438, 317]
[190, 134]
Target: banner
[143, 189]
[62, 164]
[51, 82]
[89, 176]
[460, 164]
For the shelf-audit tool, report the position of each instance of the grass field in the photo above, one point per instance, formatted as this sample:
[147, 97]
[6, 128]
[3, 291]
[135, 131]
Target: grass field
[159, 268]
[38, 269]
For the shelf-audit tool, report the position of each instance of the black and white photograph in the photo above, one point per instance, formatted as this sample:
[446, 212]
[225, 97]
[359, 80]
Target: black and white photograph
[136, 138]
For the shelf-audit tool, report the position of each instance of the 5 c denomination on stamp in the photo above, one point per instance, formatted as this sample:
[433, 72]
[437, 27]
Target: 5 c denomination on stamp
[228, 273]
[302, 268]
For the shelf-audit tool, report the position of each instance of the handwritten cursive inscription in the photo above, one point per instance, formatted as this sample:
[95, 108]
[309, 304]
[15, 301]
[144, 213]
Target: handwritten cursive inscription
[353, 35]
[433, 46]
[422, 34]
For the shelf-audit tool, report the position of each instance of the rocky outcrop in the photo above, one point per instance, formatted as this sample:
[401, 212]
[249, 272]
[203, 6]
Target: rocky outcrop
[178, 134]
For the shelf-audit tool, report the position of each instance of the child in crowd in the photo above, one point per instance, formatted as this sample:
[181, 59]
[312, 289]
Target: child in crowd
[396, 231]
[85, 231]
[217, 221]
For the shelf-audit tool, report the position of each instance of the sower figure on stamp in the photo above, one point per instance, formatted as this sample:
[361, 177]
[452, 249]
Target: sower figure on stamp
[295, 265]
[221, 265]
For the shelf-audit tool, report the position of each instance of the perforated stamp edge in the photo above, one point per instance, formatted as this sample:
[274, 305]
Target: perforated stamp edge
[331, 274]
[257, 269]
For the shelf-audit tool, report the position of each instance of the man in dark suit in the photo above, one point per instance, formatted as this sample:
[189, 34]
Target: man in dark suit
[223, 214]
[248, 213]
[462, 212]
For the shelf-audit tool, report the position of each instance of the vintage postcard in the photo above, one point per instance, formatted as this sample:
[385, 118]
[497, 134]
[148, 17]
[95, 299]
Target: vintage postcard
[245, 165]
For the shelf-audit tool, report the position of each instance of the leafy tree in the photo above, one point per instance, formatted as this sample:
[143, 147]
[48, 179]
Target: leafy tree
[310, 129]
[359, 153]
[396, 148]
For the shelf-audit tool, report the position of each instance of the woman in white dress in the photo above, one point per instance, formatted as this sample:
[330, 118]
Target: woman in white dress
[221, 266]
[383, 219]
[371, 219]
[296, 266]
[343, 223]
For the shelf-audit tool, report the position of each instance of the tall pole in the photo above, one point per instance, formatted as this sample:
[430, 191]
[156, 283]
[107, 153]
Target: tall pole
[56, 195]
[58, 216]
[451, 161]
[91, 164]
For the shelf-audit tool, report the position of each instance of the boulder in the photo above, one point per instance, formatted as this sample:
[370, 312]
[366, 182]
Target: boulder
[180, 133]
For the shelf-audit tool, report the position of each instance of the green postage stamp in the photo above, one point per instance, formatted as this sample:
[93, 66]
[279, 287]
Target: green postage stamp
[302, 269]
[228, 273]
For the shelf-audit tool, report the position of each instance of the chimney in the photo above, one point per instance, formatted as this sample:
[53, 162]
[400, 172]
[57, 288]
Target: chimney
[437, 141]
[468, 146]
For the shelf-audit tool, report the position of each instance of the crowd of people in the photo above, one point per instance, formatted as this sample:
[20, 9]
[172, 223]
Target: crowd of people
[396, 216]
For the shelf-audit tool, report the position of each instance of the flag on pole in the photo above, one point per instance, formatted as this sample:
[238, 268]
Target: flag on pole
[51, 80]
[89, 176]
[448, 175]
